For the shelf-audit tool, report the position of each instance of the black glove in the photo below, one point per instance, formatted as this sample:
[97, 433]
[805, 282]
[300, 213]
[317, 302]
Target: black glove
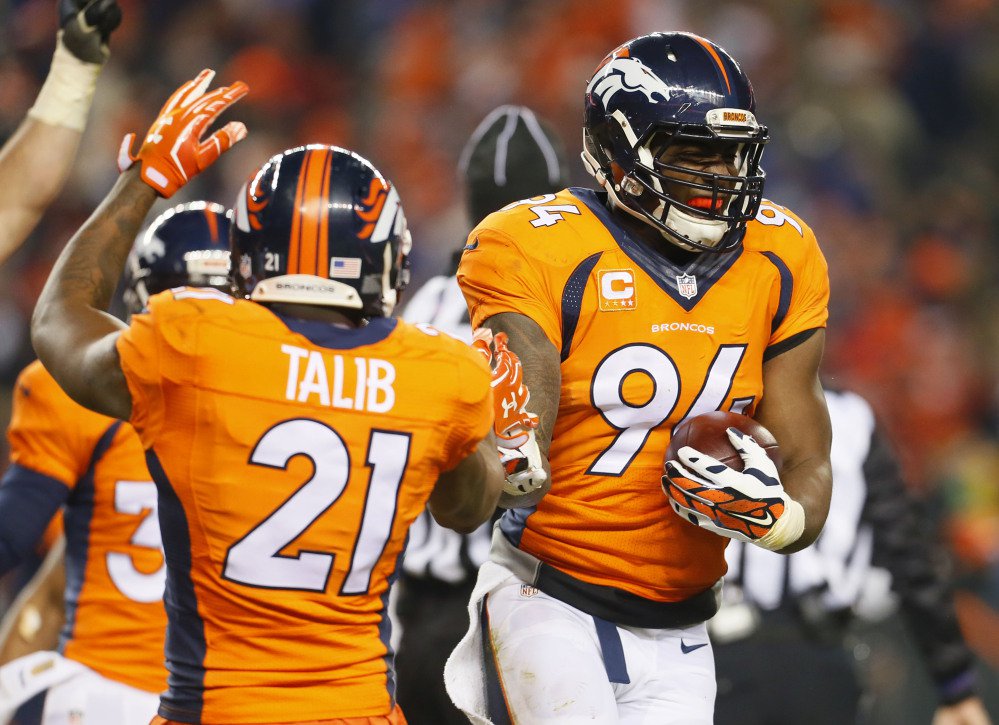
[87, 25]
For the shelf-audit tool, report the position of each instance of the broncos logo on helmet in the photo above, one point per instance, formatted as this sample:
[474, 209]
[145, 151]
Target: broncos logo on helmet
[320, 225]
[185, 246]
[379, 211]
[628, 74]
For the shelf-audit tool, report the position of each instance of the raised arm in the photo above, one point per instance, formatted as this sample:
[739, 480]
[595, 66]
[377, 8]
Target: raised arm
[36, 160]
[793, 408]
[72, 334]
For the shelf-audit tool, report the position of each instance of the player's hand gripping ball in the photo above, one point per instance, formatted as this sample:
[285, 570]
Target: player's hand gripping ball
[722, 473]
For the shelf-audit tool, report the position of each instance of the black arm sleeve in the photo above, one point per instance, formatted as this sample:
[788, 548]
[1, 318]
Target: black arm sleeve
[904, 544]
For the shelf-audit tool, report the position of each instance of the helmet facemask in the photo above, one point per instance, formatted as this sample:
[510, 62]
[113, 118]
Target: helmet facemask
[643, 182]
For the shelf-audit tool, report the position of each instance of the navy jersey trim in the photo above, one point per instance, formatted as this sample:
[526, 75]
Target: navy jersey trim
[385, 628]
[706, 268]
[185, 638]
[332, 337]
[28, 501]
[572, 300]
[76, 522]
[786, 288]
[514, 521]
[789, 344]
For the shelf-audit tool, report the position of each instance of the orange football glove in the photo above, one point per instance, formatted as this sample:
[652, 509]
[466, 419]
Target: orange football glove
[513, 424]
[173, 152]
[750, 505]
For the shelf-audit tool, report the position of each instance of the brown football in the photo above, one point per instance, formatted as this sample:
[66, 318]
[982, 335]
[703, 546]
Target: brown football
[706, 433]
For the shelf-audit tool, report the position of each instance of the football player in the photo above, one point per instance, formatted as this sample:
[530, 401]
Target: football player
[674, 290]
[294, 432]
[36, 160]
[109, 664]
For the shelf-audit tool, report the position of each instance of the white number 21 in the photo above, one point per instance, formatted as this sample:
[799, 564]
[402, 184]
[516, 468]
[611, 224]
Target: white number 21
[256, 559]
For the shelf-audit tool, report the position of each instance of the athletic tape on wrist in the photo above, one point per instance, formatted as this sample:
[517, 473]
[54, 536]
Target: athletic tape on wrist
[787, 530]
[68, 90]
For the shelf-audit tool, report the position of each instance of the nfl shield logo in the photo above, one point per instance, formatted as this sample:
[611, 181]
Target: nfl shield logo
[686, 285]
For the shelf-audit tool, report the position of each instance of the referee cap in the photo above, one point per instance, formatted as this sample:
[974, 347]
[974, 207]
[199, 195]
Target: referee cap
[511, 155]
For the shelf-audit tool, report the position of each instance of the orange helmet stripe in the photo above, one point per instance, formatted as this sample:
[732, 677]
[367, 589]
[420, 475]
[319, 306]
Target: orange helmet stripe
[213, 224]
[718, 60]
[312, 207]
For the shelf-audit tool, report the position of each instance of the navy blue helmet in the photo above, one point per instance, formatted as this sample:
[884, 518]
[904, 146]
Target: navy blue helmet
[186, 246]
[675, 88]
[320, 225]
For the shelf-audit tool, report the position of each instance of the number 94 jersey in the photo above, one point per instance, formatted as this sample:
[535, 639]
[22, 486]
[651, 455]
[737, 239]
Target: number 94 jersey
[644, 344]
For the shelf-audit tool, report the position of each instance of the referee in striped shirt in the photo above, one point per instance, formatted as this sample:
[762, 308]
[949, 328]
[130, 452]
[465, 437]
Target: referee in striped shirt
[510, 156]
[778, 639]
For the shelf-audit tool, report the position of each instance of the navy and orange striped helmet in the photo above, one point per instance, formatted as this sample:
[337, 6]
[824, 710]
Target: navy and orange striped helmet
[675, 88]
[320, 225]
[185, 246]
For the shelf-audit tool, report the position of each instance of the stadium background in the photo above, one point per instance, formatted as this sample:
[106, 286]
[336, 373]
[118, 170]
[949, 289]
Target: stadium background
[883, 115]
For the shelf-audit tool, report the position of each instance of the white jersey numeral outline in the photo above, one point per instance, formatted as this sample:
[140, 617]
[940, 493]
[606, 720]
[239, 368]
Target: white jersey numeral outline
[138, 498]
[634, 423]
[256, 559]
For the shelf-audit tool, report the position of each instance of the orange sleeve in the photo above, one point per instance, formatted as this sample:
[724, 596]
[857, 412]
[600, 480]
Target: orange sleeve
[49, 433]
[472, 416]
[808, 307]
[140, 352]
[496, 276]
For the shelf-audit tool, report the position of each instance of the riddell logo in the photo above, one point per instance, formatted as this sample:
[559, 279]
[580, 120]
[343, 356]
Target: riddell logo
[616, 289]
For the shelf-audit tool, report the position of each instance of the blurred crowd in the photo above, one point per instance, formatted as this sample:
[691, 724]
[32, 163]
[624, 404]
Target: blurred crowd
[882, 114]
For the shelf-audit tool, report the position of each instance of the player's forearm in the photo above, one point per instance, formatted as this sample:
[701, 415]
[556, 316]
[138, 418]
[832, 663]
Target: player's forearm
[34, 165]
[70, 329]
[542, 369]
[794, 409]
[809, 483]
[466, 497]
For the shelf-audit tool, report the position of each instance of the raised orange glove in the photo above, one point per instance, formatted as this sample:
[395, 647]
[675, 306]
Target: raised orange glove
[173, 153]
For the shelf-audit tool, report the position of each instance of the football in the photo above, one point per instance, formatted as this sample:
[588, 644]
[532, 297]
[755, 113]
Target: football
[706, 433]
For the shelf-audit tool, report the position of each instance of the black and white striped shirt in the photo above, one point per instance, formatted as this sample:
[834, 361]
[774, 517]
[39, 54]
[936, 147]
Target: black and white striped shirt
[875, 535]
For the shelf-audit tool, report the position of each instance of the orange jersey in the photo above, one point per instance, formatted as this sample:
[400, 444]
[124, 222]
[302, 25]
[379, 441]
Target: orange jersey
[292, 458]
[115, 572]
[644, 344]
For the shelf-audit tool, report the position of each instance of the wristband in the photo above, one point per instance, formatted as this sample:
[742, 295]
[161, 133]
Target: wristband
[68, 90]
[787, 529]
